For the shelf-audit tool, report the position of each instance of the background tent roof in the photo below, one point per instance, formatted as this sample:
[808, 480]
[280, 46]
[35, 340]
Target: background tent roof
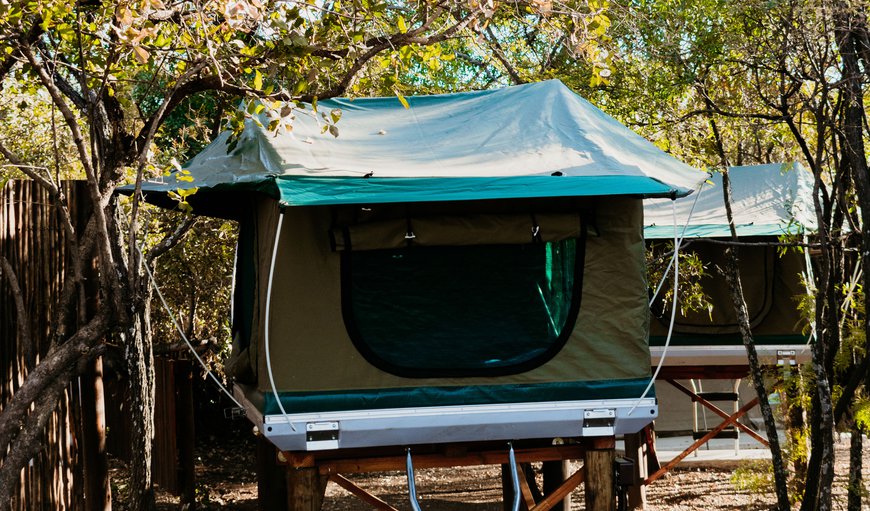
[534, 140]
[768, 200]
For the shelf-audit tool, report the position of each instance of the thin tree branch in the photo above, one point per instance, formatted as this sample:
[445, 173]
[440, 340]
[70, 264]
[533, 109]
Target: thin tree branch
[10, 60]
[499, 54]
[108, 271]
[55, 363]
[171, 240]
[382, 43]
[29, 440]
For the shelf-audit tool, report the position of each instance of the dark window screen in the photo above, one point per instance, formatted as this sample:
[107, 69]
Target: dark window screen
[477, 310]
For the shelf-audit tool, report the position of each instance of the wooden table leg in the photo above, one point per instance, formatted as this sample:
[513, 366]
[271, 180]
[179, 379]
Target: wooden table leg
[703, 440]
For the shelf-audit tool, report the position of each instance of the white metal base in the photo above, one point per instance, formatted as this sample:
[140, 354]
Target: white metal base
[442, 424]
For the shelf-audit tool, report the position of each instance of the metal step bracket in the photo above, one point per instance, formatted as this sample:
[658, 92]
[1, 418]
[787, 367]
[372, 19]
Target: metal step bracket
[599, 422]
[321, 436]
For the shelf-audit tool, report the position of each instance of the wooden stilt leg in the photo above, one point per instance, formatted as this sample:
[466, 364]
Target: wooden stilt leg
[635, 449]
[599, 479]
[555, 473]
[305, 489]
[271, 481]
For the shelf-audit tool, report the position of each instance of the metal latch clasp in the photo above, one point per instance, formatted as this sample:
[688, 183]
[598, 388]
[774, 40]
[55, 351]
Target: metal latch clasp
[320, 436]
[599, 422]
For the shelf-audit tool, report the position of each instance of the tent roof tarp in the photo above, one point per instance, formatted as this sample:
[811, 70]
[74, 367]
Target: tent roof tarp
[768, 200]
[534, 140]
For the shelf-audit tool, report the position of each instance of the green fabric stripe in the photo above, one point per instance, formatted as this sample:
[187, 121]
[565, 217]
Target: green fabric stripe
[325, 191]
[311, 402]
[726, 340]
[314, 191]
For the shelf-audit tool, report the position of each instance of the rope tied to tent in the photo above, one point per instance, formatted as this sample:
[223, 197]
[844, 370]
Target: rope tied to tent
[675, 262]
[181, 331]
[677, 243]
[268, 323]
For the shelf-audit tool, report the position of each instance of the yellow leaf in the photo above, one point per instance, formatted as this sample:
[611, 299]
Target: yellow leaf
[141, 54]
[258, 80]
[402, 100]
[184, 193]
[402, 26]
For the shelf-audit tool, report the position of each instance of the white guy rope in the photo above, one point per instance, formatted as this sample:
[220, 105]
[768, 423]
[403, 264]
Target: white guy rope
[181, 331]
[269, 326]
[677, 244]
[673, 312]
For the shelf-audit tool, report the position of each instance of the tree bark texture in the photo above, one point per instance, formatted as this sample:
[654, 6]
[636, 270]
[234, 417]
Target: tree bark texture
[140, 364]
[853, 42]
[820, 468]
[732, 276]
[856, 481]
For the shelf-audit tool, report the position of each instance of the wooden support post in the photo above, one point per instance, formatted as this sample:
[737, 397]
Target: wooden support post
[98, 496]
[305, 489]
[185, 432]
[598, 461]
[271, 481]
[556, 473]
[635, 449]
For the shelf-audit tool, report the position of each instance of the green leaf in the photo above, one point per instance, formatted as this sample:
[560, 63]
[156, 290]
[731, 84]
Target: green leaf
[403, 28]
[335, 114]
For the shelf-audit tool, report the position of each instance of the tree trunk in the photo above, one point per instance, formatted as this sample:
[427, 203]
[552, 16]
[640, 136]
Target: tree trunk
[732, 276]
[852, 36]
[140, 365]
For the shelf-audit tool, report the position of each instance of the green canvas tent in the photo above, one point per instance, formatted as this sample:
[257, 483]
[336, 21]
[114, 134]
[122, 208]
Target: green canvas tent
[768, 202]
[468, 268]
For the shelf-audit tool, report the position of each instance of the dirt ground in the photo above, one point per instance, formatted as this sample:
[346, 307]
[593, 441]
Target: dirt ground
[226, 480]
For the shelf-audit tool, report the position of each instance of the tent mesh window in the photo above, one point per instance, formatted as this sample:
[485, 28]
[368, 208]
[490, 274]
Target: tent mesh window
[474, 310]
